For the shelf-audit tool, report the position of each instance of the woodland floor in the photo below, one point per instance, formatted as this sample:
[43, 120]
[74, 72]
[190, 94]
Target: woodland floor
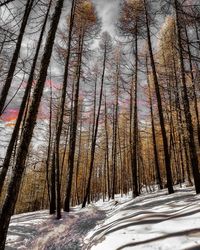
[151, 221]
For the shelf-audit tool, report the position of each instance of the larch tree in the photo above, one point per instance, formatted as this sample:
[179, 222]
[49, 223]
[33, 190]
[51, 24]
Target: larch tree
[105, 46]
[131, 25]
[159, 101]
[15, 182]
[86, 24]
[9, 78]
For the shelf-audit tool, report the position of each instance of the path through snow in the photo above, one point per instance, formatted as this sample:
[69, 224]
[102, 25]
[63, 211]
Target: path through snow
[40, 231]
[151, 221]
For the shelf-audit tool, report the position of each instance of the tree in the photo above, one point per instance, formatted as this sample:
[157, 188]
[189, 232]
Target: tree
[14, 185]
[105, 46]
[6, 2]
[61, 110]
[15, 57]
[188, 117]
[85, 24]
[159, 102]
[24, 103]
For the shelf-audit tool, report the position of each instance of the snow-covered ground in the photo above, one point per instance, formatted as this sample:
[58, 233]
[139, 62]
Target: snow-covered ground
[151, 221]
[39, 230]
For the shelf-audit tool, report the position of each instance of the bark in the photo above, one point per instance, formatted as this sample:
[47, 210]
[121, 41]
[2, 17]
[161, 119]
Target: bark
[180, 122]
[115, 133]
[134, 163]
[186, 104]
[52, 207]
[6, 2]
[16, 130]
[107, 151]
[18, 170]
[15, 57]
[157, 167]
[61, 111]
[193, 86]
[74, 126]
[93, 147]
[160, 108]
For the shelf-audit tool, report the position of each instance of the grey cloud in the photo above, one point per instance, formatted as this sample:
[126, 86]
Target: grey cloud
[108, 11]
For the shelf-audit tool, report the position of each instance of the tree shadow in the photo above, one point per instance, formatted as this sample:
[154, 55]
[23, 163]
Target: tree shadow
[148, 220]
[147, 206]
[163, 237]
[158, 202]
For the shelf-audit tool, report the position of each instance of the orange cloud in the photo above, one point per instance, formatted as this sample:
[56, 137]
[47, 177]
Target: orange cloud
[10, 115]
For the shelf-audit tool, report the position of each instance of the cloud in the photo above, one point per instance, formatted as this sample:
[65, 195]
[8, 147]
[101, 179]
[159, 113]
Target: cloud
[108, 11]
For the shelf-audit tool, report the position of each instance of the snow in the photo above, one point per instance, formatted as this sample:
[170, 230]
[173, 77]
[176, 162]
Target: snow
[39, 230]
[151, 221]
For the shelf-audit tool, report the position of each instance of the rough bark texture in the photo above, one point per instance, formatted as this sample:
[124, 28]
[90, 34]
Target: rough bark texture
[93, 147]
[160, 109]
[18, 170]
[186, 104]
[6, 2]
[15, 57]
[16, 130]
[74, 127]
[61, 112]
[134, 162]
[157, 167]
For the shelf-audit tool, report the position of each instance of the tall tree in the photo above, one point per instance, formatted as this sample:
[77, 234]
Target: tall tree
[61, 111]
[15, 57]
[159, 102]
[186, 104]
[16, 130]
[105, 45]
[85, 24]
[14, 185]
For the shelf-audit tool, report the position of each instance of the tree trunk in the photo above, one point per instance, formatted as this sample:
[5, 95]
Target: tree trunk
[61, 112]
[14, 185]
[15, 132]
[74, 127]
[134, 162]
[15, 57]
[186, 104]
[158, 175]
[160, 109]
[93, 147]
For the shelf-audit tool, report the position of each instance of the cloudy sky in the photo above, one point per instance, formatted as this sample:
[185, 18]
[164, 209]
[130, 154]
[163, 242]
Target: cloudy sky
[108, 11]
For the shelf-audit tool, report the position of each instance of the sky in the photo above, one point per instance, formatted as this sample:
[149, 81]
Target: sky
[107, 11]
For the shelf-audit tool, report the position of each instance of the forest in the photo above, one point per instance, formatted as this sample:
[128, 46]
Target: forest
[96, 103]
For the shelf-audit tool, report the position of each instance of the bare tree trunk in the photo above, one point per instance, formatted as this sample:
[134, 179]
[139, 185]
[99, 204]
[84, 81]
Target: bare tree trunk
[158, 175]
[18, 170]
[193, 86]
[6, 2]
[15, 132]
[15, 57]
[115, 128]
[186, 104]
[107, 151]
[61, 112]
[74, 127]
[52, 207]
[93, 146]
[160, 109]
[135, 123]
